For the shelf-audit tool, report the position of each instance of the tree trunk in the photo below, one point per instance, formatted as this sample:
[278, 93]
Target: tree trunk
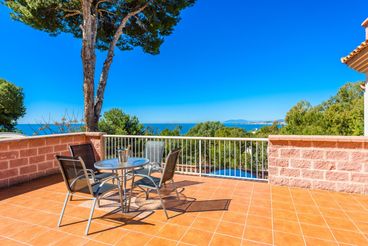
[89, 65]
[109, 59]
[93, 106]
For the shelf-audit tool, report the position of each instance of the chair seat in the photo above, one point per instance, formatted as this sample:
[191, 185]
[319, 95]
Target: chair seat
[106, 187]
[146, 182]
[101, 176]
[152, 167]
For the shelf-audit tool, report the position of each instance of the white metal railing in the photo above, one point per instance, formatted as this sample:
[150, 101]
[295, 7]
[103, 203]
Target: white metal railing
[243, 158]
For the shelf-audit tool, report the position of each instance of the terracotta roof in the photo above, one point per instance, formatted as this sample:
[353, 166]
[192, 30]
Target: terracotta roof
[355, 52]
[365, 23]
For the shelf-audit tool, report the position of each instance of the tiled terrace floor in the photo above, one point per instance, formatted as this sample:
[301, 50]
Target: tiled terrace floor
[252, 214]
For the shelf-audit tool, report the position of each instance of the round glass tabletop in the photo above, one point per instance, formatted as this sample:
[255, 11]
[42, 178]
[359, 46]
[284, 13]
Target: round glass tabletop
[112, 164]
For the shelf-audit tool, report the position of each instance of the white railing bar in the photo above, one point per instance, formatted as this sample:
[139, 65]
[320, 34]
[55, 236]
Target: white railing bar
[192, 138]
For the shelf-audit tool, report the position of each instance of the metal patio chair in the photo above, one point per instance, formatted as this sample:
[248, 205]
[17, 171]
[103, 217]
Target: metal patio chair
[153, 151]
[154, 183]
[78, 183]
[85, 151]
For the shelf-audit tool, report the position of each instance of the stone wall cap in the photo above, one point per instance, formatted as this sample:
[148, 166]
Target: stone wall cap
[94, 134]
[319, 138]
[42, 136]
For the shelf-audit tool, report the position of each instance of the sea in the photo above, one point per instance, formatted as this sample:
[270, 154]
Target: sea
[34, 129]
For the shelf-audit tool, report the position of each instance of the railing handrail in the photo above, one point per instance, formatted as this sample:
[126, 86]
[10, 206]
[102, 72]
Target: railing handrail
[188, 137]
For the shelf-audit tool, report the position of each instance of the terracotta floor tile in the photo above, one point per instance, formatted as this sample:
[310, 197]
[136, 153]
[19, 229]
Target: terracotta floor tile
[217, 215]
[205, 224]
[234, 217]
[286, 226]
[334, 213]
[258, 221]
[230, 229]
[362, 226]
[314, 241]
[171, 231]
[349, 237]
[304, 209]
[109, 235]
[49, 237]
[285, 215]
[183, 219]
[343, 224]
[95, 243]
[134, 239]
[72, 240]
[258, 234]
[156, 241]
[260, 211]
[283, 205]
[282, 239]
[30, 215]
[252, 243]
[358, 216]
[239, 207]
[222, 240]
[14, 228]
[26, 235]
[313, 219]
[197, 237]
[9, 242]
[147, 228]
[317, 232]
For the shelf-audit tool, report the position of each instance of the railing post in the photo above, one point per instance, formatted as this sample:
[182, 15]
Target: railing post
[200, 157]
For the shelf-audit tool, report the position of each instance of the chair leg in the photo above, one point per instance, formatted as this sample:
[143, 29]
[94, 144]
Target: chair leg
[147, 193]
[64, 206]
[124, 185]
[162, 203]
[130, 194]
[130, 197]
[90, 216]
[98, 202]
[176, 189]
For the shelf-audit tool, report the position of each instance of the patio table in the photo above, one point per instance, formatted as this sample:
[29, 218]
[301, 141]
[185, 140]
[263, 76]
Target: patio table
[115, 165]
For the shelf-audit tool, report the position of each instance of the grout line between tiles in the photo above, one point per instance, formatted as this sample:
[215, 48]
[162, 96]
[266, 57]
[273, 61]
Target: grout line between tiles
[300, 226]
[246, 217]
[329, 228]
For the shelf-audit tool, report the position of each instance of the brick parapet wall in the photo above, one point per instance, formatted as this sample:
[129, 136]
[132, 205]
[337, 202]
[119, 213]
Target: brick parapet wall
[24, 159]
[319, 162]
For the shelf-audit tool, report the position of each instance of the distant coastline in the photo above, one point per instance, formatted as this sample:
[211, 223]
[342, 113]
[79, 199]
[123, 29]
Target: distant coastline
[254, 122]
[29, 129]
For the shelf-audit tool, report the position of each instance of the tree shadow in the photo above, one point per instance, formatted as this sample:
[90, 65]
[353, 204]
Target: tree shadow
[29, 185]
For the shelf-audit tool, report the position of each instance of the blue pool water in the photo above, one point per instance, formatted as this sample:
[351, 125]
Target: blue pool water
[233, 173]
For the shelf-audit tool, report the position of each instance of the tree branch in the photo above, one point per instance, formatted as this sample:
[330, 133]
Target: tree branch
[101, 1]
[109, 58]
[71, 12]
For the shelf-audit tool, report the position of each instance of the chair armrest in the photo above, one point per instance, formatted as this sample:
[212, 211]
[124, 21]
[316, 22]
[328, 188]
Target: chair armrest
[109, 178]
[90, 172]
[148, 177]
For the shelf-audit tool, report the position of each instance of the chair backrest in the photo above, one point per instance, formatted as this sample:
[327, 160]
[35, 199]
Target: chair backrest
[86, 152]
[154, 151]
[170, 166]
[74, 174]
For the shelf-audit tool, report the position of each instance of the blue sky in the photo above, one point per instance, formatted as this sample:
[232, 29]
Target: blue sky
[226, 60]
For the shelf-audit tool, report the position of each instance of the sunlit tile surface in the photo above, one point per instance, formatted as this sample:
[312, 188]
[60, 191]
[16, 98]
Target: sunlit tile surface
[211, 211]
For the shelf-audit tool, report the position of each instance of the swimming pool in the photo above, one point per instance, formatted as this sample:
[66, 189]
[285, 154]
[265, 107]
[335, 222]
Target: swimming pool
[233, 173]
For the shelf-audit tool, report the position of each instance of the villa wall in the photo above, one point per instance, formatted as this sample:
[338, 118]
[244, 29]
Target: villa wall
[24, 159]
[319, 162]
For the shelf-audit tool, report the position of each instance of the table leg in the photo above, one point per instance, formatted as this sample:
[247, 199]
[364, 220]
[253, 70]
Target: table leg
[124, 189]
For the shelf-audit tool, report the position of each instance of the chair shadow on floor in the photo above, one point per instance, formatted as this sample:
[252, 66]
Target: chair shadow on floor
[142, 209]
[184, 205]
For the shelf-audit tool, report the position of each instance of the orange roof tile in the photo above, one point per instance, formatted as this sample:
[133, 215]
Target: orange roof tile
[355, 52]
